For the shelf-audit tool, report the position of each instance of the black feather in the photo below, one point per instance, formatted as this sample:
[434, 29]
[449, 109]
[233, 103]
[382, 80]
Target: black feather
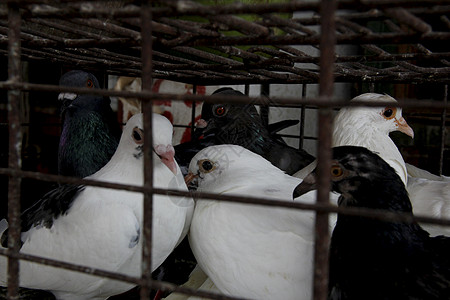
[240, 124]
[51, 206]
[90, 133]
[374, 259]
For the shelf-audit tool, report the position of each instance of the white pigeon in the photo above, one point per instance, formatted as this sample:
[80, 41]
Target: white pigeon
[369, 127]
[102, 228]
[251, 251]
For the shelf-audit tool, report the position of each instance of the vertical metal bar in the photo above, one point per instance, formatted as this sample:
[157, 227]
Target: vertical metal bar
[15, 145]
[443, 118]
[147, 68]
[326, 84]
[194, 91]
[264, 109]
[247, 89]
[302, 119]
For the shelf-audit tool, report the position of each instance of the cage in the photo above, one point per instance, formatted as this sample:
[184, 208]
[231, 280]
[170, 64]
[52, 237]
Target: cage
[308, 57]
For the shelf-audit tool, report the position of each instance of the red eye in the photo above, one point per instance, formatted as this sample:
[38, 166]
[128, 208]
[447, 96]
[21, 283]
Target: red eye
[89, 83]
[220, 111]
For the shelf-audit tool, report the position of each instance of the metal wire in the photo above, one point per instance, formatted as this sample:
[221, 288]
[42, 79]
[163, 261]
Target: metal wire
[156, 46]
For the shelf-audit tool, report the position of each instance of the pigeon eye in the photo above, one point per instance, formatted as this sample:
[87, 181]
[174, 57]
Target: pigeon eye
[336, 171]
[206, 166]
[138, 135]
[389, 112]
[220, 111]
[89, 83]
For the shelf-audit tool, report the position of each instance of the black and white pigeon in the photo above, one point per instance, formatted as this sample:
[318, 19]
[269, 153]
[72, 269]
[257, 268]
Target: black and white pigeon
[90, 132]
[374, 259]
[102, 228]
[240, 124]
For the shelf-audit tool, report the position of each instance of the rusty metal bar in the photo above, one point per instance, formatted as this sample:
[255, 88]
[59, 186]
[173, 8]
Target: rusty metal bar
[147, 69]
[325, 117]
[15, 145]
[278, 101]
[329, 208]
[443, 131]
[76, 9]
[194, 91]
[158, 284]
[407, 18]
[292, 39]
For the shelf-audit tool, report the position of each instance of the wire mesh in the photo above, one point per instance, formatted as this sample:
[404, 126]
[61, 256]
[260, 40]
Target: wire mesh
[190, 42]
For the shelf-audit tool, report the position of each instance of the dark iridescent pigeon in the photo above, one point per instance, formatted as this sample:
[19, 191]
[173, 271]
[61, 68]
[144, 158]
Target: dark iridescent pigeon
[90, 132]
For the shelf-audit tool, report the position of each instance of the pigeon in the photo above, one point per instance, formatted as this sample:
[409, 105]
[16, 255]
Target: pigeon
[90, 131]
[374, 259]
[241, 124]
[369, 127]
[102, 228]
[250, 251]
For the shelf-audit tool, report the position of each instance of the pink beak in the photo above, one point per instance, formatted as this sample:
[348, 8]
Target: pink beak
[167, 153]
[404, 127]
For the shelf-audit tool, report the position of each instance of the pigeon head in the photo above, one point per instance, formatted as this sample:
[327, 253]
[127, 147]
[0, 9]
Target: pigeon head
[222, 119]
[215, 165]
[384, 119]
[363, 179]
[76, 78]
[133, 134]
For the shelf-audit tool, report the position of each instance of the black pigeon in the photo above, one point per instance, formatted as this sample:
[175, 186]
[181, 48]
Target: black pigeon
[240, 124]
[90, 133]
[374, 259]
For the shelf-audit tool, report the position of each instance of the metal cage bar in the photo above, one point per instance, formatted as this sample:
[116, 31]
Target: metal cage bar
[15, 145]
[148, 25]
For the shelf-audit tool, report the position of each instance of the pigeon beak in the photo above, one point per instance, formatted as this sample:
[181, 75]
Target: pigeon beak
[66, 96]
[201, 123]
[308, 184]
[189, 178]
[404, 127]
[166, 153]
[210, 127]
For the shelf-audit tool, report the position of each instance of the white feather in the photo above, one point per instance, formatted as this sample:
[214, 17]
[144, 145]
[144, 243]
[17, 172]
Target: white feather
[251, 251]
[103, 227]
[366, 127]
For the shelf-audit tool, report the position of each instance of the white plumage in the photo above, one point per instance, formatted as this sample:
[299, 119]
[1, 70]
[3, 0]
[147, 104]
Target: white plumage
[102, 228]
[251, 251]
[369, 127]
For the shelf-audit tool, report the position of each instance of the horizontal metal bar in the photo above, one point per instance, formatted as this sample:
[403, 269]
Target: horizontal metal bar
[376, 214]
[236, 8]
[167, 286]
[276, 101]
